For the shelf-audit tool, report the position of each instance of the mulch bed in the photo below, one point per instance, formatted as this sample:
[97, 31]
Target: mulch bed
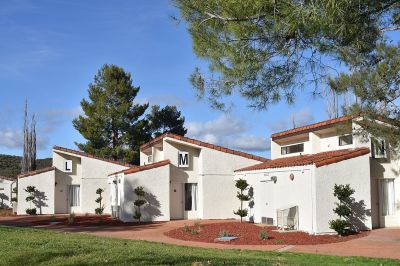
[249, 235]
[85, 221]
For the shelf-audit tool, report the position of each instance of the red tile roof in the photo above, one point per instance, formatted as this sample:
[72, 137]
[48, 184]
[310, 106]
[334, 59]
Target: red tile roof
[311, 127]
[8, 178]
[136, 169]
[318, 159]
[202, 144]
[80, 153]
[40, 171]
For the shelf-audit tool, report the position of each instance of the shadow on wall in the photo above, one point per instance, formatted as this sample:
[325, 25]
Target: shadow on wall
[149, 211]
[152, 208]
[251, 204]
[40, 200]
[359, 214]
[3, 197]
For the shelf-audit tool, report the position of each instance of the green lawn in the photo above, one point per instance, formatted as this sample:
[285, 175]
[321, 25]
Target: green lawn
[25, 246]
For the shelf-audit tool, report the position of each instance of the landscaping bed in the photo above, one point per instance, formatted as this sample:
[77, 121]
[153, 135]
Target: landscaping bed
[83, 221]
[249, 234]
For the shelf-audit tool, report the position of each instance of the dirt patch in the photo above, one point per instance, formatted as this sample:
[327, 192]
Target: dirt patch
[249, 234]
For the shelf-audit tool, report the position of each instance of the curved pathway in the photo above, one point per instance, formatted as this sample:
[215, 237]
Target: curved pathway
[380, 243]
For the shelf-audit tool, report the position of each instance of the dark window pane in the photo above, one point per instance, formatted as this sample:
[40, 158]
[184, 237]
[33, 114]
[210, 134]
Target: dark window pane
[345, 140]
[292, 149]
[188, 197]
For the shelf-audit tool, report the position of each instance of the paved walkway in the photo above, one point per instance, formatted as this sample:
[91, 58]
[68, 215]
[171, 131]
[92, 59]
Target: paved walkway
[380, 243]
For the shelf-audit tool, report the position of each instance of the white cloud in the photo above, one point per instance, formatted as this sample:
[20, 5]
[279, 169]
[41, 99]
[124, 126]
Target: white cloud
[299, 118]
[14, 139]
[229, 132]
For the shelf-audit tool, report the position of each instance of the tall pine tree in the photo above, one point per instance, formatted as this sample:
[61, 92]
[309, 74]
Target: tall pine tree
[113, 124]
[167, 119]
[28, 162]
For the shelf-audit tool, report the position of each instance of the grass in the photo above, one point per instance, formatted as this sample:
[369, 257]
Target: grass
[26, 246]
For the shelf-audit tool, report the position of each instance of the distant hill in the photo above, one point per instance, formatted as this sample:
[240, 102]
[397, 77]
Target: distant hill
[11, 165]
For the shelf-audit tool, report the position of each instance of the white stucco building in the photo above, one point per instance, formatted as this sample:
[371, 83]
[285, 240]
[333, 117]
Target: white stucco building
[69, 185]
[184, 179]
[189, 179]
[306, 164]
[6, 187]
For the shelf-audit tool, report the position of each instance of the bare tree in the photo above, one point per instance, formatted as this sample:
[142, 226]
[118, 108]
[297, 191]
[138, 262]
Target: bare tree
[28, 162]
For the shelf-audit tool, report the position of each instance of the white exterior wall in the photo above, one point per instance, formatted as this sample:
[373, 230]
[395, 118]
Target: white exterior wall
[156, 185]
[90, 174]
[6, 192]
[270, 196]
[44, 184]
[353, 171]
[218, 183]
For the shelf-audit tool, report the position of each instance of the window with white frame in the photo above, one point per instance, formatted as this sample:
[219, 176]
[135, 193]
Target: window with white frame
[387, 200]
[190, 196]
[296, 148]
[345, 140]
[378, 148]
[74, 196]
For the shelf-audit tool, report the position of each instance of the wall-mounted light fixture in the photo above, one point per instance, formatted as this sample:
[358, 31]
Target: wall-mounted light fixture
[272, 179]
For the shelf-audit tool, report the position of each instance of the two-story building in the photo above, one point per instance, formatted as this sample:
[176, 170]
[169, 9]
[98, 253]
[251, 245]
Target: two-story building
[295, 188]
[70, 185]
[183, 179]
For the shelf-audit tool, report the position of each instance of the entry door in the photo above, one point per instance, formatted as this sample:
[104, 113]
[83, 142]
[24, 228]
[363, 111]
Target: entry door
[176, 201]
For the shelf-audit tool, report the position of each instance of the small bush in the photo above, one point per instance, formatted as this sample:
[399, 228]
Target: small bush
[31, 211]
[71, 218]
[186, 228]
[263, 235]
[224, 233]
[99, 210]
[340, 226]
[197, 224]
[279, 242]
[194, 232]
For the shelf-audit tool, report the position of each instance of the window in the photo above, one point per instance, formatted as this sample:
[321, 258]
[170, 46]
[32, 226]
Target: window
[74, 196]
[378, 148]
[292, 149]
[345, 140]
[190, 197]
[150, 158]
[388, 204]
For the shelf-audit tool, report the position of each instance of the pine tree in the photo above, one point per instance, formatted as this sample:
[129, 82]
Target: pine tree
[113, 124]
[167, 119]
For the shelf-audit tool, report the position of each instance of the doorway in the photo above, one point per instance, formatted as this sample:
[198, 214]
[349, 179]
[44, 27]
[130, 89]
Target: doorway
[176, 201]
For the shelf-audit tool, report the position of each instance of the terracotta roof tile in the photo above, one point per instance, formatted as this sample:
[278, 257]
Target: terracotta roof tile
[202, 144]
[80, 153]
[318, 159]
[136, 169]
[40, 171]
[312, 127]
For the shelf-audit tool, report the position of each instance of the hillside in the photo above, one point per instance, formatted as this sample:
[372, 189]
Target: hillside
[11, 165]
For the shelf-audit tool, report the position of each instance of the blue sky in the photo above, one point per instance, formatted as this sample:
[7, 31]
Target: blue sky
[51, 49]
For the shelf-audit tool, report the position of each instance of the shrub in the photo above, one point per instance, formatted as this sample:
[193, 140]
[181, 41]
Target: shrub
[279, 241]
[197, 224]
[242, 185]
[194, 232]
[186, 228]
[263, 235]
[31, 190]
[139, 202]
[99, 210]
[71, 218]
[343, 193]
[224, 233]
[31, 211]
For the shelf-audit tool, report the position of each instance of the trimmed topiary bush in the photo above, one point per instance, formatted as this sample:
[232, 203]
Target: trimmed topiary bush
[99, 210]
[343, 193]
[242, 185]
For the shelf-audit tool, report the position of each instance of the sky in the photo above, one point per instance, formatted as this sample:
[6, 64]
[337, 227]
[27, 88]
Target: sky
[50, 51]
